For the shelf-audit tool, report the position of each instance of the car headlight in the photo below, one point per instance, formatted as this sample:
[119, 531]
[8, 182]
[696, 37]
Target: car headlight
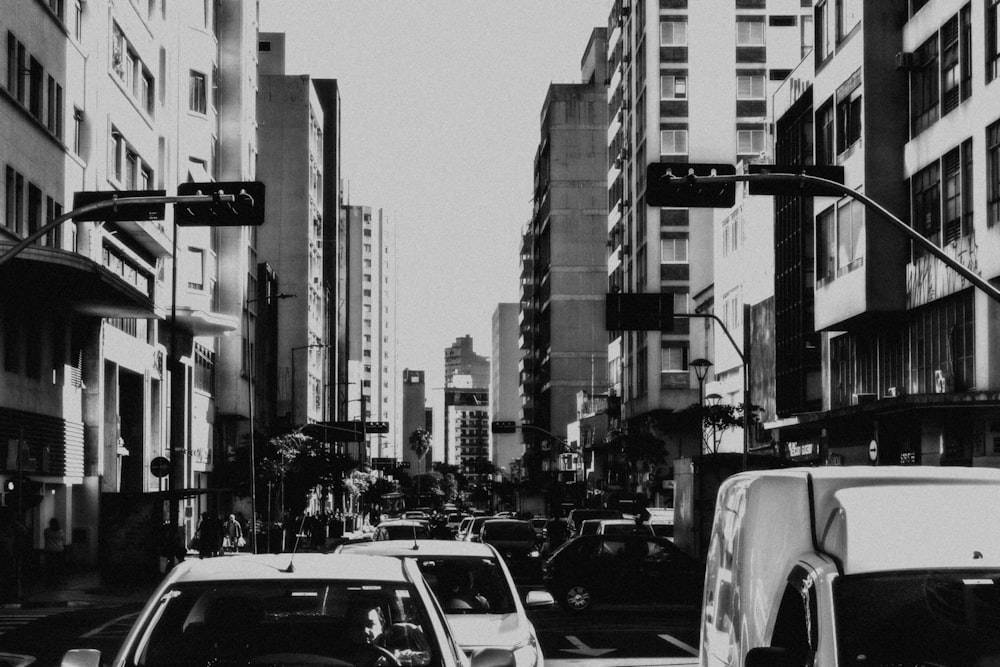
[526, 653]
[534, 554]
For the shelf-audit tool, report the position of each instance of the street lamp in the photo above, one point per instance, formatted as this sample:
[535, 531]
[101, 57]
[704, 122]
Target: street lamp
[714, 400]
[251, 363]
[700, 367]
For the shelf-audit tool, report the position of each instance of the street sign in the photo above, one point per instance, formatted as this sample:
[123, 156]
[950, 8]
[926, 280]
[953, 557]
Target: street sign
[503, 427]
[246, 209]
[383, 463]
[338, 431]
[639, 312]
[160, 466]
[669, 184]
[151, 211]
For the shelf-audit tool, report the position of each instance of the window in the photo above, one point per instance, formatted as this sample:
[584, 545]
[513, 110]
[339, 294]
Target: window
[58, 8]
[78, 19]
[673, 33]
[35, 89]
[118, 51]
[925, 216]
[750, 141]
[806, 35]
[117, 154]
[992, 50]
[825, 147]
[673, 142]
[673, 87]
[195, 270]
[924, 87]
[826, 267]
[993, 174]
[825, 27]
[674, 250]
[750, 87]
[848, 16]
[850, 234]
[849, 120]
[34, 208]
[54, 116]
[78, 131]
[196, 92]
[749, 33]
[673, 357]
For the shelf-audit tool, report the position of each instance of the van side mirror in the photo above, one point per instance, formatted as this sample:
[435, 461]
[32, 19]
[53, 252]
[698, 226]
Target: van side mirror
[773, 656]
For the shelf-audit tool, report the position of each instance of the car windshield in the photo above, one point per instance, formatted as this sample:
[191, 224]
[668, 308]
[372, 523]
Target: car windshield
[941, 618]
[291, 622]
[502, 530]
[468, 584]
[402, 531]
[629, 528]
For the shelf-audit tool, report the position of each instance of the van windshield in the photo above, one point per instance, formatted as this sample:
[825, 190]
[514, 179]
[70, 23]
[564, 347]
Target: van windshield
[941, 618]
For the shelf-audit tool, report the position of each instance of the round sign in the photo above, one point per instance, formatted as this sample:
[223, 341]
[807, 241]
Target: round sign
[160, 466]
[873, 451]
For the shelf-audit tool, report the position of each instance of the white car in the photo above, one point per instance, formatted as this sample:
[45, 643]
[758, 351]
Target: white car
[281, 610]
[621, 527]
[476, 591]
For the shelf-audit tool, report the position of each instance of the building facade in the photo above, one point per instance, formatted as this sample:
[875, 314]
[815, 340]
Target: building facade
[505, 400]
[563, 260]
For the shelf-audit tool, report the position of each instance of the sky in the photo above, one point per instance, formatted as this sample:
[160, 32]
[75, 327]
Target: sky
[440, 114]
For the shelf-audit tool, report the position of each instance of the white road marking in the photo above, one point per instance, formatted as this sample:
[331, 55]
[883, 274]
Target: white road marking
[678, 643]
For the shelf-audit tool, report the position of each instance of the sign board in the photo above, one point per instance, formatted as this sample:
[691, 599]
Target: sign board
[639, 312]
[873, 451]
[160, 466]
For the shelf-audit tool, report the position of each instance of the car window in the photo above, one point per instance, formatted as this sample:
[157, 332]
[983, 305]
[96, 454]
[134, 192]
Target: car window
[468, 584]
[502, 530]
[238, 622]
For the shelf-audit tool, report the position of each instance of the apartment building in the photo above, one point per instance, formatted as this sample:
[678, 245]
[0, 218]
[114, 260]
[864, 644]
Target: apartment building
[292, 145]
[689, 82]
[904, 96]
[564, 270]
[110, 354]
[414, 416]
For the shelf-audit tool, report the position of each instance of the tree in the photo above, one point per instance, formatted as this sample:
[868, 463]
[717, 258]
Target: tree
[420, 442]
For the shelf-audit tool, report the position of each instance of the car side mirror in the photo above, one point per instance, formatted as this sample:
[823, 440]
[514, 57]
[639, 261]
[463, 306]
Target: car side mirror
[536, 599]
[773, 656]
[81, 657]
[493, 657]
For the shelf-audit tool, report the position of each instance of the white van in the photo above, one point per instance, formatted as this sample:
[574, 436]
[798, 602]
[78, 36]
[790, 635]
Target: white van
[854, 566]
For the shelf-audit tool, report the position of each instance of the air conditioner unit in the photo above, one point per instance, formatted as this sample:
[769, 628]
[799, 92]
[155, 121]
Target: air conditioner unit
[904, 61]
[892, 392]
[862, 399]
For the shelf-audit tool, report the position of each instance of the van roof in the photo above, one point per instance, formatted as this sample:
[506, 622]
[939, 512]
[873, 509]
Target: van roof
[895, 517]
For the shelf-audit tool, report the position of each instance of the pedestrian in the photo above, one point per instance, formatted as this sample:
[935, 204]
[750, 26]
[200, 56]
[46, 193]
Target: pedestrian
[209, 536]
[55, 552]
[172, 549]
[233, 539]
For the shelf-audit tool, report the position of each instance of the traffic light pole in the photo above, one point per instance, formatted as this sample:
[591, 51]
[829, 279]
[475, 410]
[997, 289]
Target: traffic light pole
[112, 203]
[808, 182]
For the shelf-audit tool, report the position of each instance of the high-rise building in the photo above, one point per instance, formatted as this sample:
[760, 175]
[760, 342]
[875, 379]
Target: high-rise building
[414, 416]
[689, 83]
[564, 261]
[505, 400]
[291, 140]
[461, 359]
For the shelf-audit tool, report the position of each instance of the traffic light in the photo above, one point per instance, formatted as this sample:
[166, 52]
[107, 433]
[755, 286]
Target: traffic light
[503, 427]
[10, 486]
[376, 427]
[673, 184]
[246, 209]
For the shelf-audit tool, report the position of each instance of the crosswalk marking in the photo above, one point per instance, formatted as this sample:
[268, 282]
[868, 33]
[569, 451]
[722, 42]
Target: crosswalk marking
[116, 627]
[15, 618]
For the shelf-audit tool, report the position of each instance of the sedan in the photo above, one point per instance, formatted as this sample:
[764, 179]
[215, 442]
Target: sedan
[515, 540]
[401, 529]
[608, 568]
[477, 592]
[267, 609]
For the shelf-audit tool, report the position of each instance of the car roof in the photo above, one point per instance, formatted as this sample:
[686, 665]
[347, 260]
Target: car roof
[403, 522]
[418, 548]
[242, 567]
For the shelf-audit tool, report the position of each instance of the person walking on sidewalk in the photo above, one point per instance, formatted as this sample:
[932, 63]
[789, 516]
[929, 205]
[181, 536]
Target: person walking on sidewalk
[232, 534]
[55, 552]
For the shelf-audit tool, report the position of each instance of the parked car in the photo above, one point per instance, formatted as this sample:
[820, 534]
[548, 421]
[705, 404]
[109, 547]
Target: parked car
[515, 540]
[661, 520]
[607, 568]
[463, 528]
[263, 610]
[577, 516]
[589, 527]
[454, 521]
[402, 529]
[477, 592]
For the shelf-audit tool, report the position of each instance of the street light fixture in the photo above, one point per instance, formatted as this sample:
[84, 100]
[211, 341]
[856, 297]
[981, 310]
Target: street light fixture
[714, 400]
[700, 367]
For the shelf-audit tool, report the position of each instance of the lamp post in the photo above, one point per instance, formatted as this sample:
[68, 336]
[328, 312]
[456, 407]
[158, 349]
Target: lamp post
[700, 367]
[251, 363]
[713, 400]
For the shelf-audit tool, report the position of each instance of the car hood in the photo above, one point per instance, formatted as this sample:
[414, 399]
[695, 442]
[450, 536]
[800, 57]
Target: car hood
[480, 630]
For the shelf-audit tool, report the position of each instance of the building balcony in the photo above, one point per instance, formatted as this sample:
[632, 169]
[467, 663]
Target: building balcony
[72, 281]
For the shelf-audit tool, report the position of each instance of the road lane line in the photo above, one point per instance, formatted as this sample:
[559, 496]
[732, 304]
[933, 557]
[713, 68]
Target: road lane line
[678, 643]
